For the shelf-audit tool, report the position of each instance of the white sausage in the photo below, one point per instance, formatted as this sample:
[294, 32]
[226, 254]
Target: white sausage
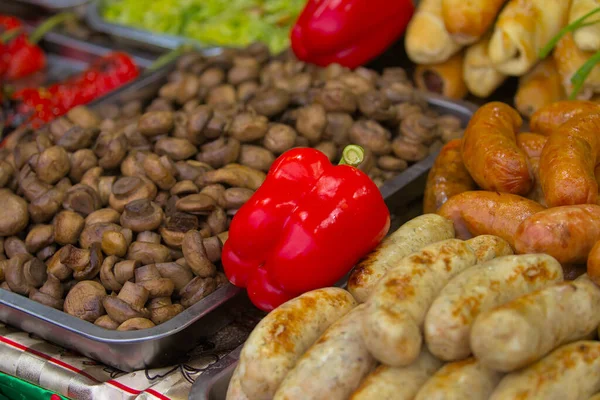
[460, 380]
[571, 372]
[334, 366]
[488, 247]
[482, 288]
[524, 330]
[403, 383]
[410, 237]
[396, 309]
[284, 335]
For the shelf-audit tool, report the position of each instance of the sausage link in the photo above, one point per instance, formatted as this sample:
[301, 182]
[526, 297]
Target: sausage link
[447, 177]
[488, 247]
[480, 213]
[566, 233]
[490, 151]
[334, 366]
[284, 335]
[388, 383]
[392, 327]
[593, 264]
[547, 119]
[568, 161]
[460, 380]
[531, 143]
[529, 327]
[410, 237]
[571, 372]
[479, 289]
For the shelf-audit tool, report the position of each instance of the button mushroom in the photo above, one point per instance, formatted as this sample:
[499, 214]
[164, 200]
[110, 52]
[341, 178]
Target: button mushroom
[114, 243]
[68, 225]
[141, 215]
[84, 262]
[130, 188]
[248, 127]
[57, 268]
[13, 213]
[217, 221]
[147, 249]
[196, 204]
[85, 299]
[179, 274]
[279, 138]
[81, 161]
[234, 175]
[39, 237]
[23, 273]
[52, 164]
[155, 123]
[93, 233]
[160, 170]
[200, 253]
[129, 303]
[311, 122]
[103, 215]
[149, 277]
[114, 273]
[13, 246]
[162, 309]
[177, 224]
[106, 322]
[136, 324]
[50, 294]
[82, 199]
[219, 152]
[111, 149]
[176, 148]
[197, 289]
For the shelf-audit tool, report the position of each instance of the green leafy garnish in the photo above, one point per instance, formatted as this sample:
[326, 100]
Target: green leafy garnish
[579, 77]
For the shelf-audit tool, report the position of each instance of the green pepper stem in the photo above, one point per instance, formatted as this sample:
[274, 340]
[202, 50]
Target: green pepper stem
[352, 155]
[579, 77]
[169, 56]
[50, 24]
[10, 34]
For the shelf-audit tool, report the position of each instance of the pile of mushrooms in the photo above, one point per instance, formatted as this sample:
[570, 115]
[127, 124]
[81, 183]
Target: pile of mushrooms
[118, 215]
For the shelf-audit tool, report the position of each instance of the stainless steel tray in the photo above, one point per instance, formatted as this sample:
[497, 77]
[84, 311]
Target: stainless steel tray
[132, 36]
[404, 196]
[52, 5]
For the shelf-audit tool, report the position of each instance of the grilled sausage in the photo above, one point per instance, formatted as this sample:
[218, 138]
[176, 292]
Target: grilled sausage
[566, 233]
[410, 237]
[396, 309]
[460, 380]
[284, 335]
[334, 366]
[480, 212]
[490, 151]
[487, 247]
[388, 383]
[545, 120]
[531, 143]
[447, 177]
[571, 372]
[593, 264]
[527, 328]
[568, 160]
[479, 289]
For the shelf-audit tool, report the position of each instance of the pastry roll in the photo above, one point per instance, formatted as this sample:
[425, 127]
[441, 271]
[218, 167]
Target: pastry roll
[479, 73]
[523, 28]
[587, 38]
[569, 58]
[427, 41]
[468, 21]
[445, 78]
[539, 87]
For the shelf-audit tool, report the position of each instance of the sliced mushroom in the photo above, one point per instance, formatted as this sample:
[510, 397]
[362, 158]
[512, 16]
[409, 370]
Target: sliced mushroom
[234, 175]
[141, 215]
[13, 213]
[127, 189]
[84, 300]
[162, 309]
[136, 324]
[50, 294]
[195, 204]
[177, 224]
[129, 303]
[197, 289]
[160, 170]
[191, 169]
[82, 199]
[57, 268]
[149, 277]
[179, 274]
[114, 273]
[183, 188]
[103, 215]
[23, 273]
[46, 252]
[200, 253]
[93, 233]
[67, 227]
[106, 322]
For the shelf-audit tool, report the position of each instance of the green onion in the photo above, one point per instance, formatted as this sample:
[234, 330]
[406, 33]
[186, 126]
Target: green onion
[579, 77]
[573, 26]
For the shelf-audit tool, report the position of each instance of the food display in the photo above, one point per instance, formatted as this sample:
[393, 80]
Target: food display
[454, 319]
[475, 47]
[234, 23]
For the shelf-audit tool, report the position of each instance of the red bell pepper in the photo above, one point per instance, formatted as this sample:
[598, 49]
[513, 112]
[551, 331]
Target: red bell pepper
[305, 227]
[348, 32]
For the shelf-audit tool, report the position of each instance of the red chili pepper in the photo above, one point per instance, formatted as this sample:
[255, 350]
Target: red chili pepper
[349, 32]
[305, 227]
[10, 27]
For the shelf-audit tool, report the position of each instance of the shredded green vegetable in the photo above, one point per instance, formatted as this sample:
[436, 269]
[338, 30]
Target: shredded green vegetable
[231, 23]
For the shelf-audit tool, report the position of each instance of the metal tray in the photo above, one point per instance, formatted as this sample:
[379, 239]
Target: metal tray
[404, 196]
[52, 5]
[132, 36]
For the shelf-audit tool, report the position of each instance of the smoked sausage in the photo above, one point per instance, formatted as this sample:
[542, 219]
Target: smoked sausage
[568, 160]
[566, 233]
[571, 372]
[529, 327]
[447, 177]
[548, 118]
[284, 335]
[480, 213]
[490, 151]
[593, 263]
[533, 144]
[410, 237]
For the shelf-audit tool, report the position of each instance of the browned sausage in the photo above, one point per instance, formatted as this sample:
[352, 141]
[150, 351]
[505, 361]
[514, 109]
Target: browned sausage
[566, 233]
[447, 177]
[533, 144]
[593, 263]
[568, 160]
[545, 120]
[480, 213]
[490, 150]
